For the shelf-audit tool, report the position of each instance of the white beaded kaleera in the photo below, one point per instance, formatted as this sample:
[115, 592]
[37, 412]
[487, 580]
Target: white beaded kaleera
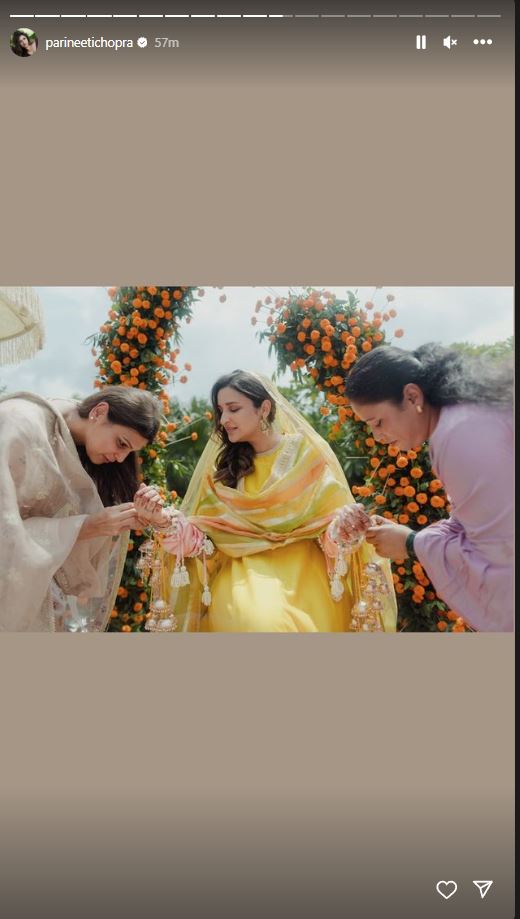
[367, 612]
[180, 577]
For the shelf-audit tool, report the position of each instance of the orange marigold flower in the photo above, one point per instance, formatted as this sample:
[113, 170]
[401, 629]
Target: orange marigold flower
[442, 625]
[380, 499]
[366, 346]
[138, 607]
[142, 338]
[403, 518]
[126, 628]
[409, 491]
[416, 472]
[116, 367]
[281, 327]
[399, 333]
[422, 498]
[194, 435]
[437, 501]
[401, 462]
[412, 507]
[435, 485]
[422, 520]
[370, 442]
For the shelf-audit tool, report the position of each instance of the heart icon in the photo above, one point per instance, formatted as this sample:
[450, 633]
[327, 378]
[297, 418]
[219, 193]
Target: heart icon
[446, 889]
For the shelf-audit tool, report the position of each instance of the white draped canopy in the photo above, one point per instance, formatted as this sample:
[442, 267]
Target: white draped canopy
[21, 324]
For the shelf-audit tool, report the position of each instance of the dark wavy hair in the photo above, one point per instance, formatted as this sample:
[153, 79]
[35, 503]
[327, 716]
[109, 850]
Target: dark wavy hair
[445, 376]
[32, 38]
[136, 409]
[237, 460]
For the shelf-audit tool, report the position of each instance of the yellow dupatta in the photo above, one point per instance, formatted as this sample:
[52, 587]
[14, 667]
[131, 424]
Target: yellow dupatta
[304, 491]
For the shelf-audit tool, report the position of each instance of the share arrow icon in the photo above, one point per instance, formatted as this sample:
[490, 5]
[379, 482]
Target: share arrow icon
[483, 887]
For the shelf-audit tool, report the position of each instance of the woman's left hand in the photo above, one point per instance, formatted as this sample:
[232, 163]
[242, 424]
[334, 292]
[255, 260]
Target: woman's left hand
[387, 538]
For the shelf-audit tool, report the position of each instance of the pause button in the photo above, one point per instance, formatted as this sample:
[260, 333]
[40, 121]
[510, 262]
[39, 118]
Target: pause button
[420, 42]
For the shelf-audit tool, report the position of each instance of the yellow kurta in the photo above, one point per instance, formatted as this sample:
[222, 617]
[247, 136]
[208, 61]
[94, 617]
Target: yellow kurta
[285, 589]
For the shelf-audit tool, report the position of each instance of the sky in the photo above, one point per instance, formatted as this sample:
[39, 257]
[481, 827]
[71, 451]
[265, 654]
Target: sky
[221, 337]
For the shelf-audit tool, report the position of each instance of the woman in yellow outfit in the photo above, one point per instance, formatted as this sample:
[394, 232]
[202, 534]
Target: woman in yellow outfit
[270, 496]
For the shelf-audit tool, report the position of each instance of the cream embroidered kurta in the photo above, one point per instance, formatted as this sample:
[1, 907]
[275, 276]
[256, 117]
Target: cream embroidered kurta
[45, 496]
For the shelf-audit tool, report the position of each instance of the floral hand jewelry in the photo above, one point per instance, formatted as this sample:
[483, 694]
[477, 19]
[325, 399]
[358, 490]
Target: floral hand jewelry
[343, 536]
[184, 540]
[179, 537]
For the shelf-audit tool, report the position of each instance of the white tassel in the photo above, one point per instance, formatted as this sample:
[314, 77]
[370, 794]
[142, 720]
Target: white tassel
[336, 589]
[206, 596]
[184, 576]
[341, 566]
[176, 576]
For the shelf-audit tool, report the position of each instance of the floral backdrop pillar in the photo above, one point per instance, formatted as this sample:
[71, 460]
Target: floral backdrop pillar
[138, 345]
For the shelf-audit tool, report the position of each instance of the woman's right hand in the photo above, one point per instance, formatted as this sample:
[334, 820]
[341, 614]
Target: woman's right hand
[111, 521]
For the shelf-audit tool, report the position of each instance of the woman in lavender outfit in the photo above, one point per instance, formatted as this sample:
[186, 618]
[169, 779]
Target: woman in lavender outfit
[463, 408]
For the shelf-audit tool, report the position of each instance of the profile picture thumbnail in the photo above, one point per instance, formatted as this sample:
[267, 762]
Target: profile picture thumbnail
[24, 42]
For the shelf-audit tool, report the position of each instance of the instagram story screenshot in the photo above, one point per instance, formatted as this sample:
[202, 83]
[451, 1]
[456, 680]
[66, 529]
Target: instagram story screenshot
[257, 459]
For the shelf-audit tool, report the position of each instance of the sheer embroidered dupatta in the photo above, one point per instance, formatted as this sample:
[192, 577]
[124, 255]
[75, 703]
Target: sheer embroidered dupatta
[306, 488]
[45, 496]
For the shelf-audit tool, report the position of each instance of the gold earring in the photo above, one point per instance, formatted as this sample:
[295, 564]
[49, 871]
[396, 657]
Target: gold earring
[419, 409]
[264, 426]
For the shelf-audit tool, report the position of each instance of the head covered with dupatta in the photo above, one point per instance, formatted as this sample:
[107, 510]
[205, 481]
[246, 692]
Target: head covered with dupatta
[303, 493]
